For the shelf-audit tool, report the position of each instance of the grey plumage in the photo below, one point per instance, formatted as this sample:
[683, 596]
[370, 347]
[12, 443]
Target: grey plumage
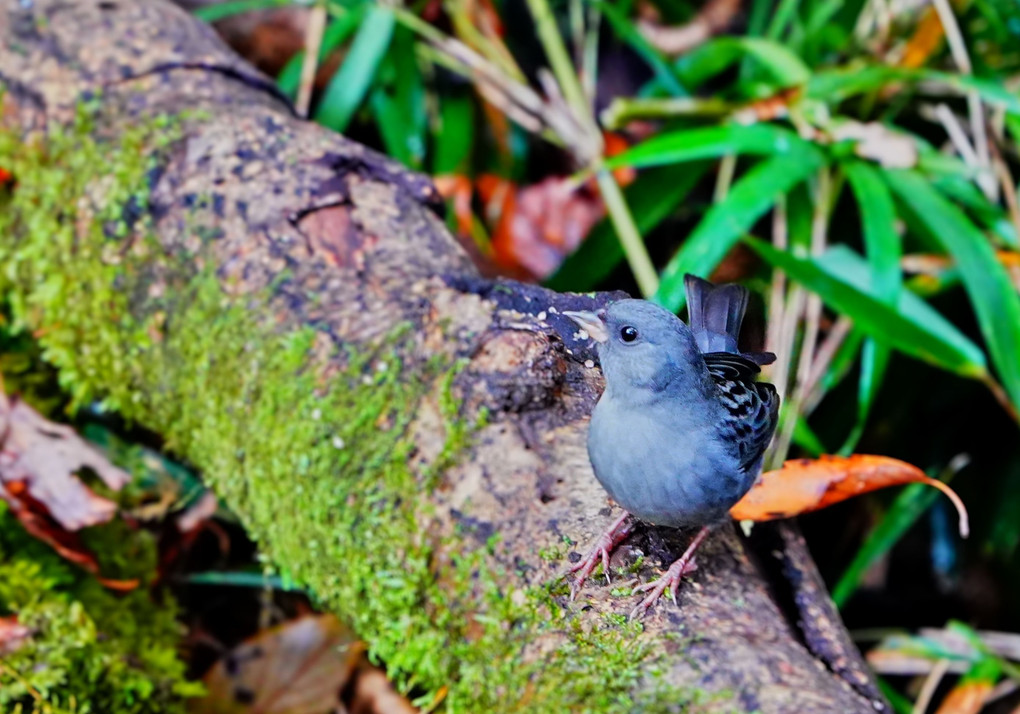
[679, 434]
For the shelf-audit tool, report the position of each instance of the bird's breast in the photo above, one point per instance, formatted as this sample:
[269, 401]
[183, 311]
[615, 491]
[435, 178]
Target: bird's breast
[667, 467]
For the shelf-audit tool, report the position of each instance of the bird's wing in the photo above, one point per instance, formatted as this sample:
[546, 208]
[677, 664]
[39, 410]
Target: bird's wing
[752, 407]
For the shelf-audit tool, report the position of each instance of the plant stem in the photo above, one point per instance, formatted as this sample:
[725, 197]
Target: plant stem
[627, 231]
[559, 59]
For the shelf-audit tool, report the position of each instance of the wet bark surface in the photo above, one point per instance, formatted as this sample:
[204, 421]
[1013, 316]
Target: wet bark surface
[351, 243]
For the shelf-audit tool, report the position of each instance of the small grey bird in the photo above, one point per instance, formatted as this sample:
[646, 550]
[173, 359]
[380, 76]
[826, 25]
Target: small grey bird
[679, 434]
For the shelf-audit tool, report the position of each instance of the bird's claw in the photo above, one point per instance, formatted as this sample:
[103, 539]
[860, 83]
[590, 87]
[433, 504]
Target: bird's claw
[588, 564]
[600, 552]
[670, 579]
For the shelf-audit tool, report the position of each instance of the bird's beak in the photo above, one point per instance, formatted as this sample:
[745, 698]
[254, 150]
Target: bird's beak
[592, 323]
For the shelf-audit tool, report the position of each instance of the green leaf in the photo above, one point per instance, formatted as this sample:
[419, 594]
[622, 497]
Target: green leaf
[652, 197]
[882, 245]
[625, 30]
[987, 282]
[837, 85]
[454, 136]
[711, 143]
[399, 102]
[841, 278]
[351, 83]
[724, 224]
[223, 10]
[900, 703]
[908, 506]
[783, 67]
[335, 34]
[243, 579]
[807, 439]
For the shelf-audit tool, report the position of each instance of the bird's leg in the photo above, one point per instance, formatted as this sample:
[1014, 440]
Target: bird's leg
[605, 545]
[671, 578]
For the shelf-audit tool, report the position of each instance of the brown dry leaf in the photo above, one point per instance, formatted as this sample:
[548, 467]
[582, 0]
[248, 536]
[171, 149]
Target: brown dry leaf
[12, 635]
[43, 457]
[804, 485]
[876, 142]
[374, 694]
[298, 667]
[967, 697]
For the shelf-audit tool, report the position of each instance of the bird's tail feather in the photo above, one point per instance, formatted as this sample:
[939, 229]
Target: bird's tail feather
[715, 314]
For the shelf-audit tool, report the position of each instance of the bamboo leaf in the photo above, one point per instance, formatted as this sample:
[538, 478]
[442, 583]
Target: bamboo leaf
[724, 224]
[913, 327]
[351, 83]
[995, 299]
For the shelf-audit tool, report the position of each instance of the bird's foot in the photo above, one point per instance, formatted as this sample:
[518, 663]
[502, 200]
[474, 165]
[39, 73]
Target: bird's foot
[670, 579]
[600, 552]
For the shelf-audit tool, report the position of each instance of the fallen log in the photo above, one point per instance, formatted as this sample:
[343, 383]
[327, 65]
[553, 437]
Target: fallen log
[401, 436]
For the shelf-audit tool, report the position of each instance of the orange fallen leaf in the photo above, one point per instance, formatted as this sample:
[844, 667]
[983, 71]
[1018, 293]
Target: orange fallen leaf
[967, 697]
[804, 485]
[298, 667]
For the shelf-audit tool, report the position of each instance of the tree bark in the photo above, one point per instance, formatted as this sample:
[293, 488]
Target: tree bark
[467, 490]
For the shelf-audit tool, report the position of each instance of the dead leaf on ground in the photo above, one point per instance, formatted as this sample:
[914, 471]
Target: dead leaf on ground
[967, 697]
[44, 457]
[374, 694]
[804, 485]
[298, 667]
[12, 635]
[533, 227]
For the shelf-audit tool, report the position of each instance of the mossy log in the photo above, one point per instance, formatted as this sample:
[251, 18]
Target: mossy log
[403, 437]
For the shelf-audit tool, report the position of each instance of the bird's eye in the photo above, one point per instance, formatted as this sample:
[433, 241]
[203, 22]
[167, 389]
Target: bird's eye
[628, 334]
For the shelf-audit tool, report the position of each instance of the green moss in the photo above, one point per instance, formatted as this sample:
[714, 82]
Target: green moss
[318, 463]
[90, 650]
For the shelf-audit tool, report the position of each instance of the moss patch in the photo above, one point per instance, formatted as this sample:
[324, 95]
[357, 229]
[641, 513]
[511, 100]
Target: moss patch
[90, 650]
[318, 462]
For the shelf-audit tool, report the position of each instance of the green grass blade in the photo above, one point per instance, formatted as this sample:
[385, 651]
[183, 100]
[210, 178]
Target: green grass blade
[652, 197]
[351, 83]
[711, 143]
[909, 505]
[243, 579]
[336, 33]
[454, 137]
[665, 75]
[780, 67]
[914, 328]
[992, 293]
[837, 85]
[843, 264]
[398, 102]
[724, 224]
[882, 246]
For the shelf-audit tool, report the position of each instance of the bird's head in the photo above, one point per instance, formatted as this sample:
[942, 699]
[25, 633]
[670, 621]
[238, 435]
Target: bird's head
[642, 347]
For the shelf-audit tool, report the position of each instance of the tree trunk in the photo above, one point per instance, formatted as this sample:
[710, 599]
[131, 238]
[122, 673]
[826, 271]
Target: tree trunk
[406, 439]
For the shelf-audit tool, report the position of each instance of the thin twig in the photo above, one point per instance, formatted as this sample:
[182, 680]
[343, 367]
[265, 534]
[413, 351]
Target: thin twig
[958, 49]
[713, 18]
[313, 43]
[931, 683]
[823, 358]
[630, 237]
[812, 314]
